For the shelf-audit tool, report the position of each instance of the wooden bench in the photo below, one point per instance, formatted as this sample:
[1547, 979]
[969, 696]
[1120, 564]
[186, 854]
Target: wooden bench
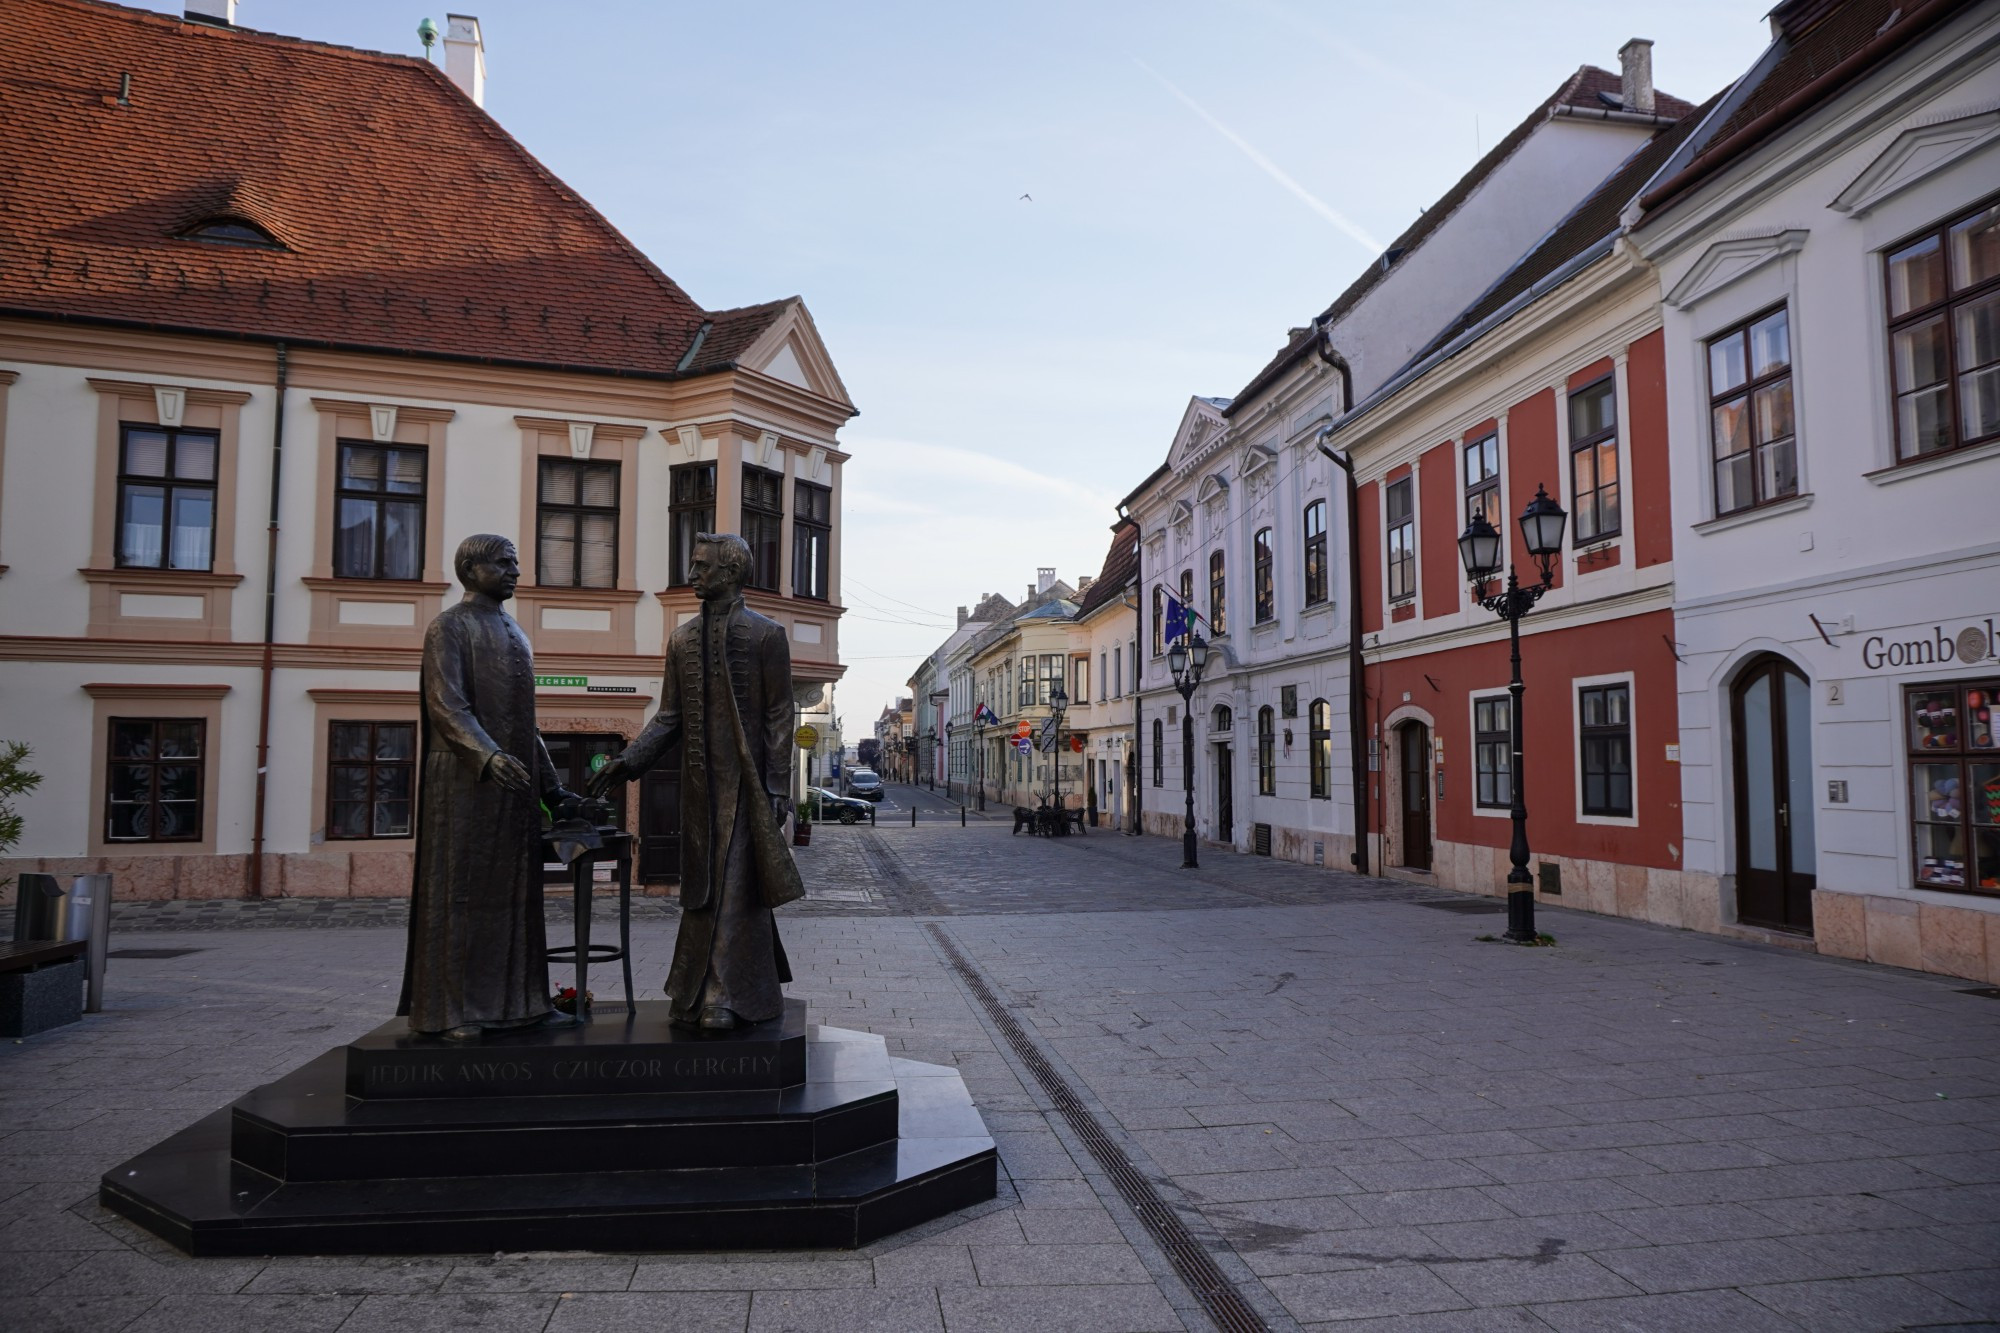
[41, 985]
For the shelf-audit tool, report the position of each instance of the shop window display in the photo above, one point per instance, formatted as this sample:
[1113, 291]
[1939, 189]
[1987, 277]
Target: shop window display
[1954, 738]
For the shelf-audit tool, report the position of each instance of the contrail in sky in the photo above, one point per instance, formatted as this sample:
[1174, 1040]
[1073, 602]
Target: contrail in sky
[1267, 166]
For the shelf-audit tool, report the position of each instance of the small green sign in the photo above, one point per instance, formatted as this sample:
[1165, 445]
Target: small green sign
[598, 761]
[544, 682]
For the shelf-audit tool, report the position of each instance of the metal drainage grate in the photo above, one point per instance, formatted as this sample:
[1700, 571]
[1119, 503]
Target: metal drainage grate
[1463, 906]
[151, 953]
[1210, 1285]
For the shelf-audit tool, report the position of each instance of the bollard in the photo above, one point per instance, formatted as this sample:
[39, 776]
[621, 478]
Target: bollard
[913, 815]
[90, 921]
[961, 816]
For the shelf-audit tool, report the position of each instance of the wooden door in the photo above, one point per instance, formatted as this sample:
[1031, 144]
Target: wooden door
[1415, 740]
[1225, 795]
[1771, 708]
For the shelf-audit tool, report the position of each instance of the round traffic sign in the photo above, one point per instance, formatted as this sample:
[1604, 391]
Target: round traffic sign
[807, 737]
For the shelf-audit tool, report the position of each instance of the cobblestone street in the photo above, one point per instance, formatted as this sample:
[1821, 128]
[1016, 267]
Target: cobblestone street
[1343, 1101]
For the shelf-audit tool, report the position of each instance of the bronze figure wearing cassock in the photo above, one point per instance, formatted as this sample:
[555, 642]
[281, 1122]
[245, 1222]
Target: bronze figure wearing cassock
[727, 697]
[478, 954]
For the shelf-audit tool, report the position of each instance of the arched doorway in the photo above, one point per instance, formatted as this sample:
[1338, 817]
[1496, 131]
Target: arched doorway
[1770, 708]
[1413, 746]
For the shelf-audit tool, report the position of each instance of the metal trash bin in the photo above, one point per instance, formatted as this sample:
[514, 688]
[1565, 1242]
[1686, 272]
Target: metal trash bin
[41, 908]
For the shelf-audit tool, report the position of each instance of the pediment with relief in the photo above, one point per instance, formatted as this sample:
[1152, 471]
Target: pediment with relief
[1729, 260]
[1182, 514]
[1214, 488]
[1916, 153]
[1256, 467]
[1201, 431]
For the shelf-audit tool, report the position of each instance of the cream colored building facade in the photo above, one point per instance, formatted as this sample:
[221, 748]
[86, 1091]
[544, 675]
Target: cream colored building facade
[84, 641]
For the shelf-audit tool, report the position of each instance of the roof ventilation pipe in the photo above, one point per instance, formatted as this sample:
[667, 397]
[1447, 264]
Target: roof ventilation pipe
[216, 13]
[465, 56]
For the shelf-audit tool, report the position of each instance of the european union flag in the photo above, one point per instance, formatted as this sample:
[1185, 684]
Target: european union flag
[1177, 619]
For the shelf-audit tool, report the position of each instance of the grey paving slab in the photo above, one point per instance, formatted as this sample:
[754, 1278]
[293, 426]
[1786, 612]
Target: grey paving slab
[1549, 1277]
[75, 1314]
[651, 1312]
[1685, 1312]
[1391, 1289]
[1861, 1305]
[1133, 1308]
[244, 1314]
[486, 1312]
[905, 1310]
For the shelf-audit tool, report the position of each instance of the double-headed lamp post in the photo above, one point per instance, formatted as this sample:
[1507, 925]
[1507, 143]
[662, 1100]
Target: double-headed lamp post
[1479, 547]
[1058, 702]
[1187, 657]
[930, 759]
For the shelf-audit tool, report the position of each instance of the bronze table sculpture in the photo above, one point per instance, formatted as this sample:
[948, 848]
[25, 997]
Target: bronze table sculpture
[477, 957]
[727, 695]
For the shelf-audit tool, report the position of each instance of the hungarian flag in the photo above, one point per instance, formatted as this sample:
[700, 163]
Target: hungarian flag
[985, 716]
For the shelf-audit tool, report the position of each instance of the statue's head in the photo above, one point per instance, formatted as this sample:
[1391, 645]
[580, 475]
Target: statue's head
[489, 564]
[719, 564]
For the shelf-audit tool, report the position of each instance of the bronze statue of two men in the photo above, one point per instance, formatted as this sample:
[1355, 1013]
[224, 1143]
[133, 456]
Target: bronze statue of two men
[477, 959]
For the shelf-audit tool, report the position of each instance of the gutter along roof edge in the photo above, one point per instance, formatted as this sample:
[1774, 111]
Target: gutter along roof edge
[369, 349]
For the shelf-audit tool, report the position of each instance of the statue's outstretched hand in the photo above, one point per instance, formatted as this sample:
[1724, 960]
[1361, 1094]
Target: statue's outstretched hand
[604, 779]
[509, 772]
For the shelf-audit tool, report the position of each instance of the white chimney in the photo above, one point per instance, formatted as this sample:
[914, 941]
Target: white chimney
[1045, 578]
[465, 56]
[1635, 60]
[211, 11]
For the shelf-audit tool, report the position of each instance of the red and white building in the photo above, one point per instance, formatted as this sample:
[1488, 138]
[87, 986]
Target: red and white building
[1553, 380]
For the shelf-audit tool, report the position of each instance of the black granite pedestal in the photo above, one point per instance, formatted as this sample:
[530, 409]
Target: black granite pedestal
[623, 1134]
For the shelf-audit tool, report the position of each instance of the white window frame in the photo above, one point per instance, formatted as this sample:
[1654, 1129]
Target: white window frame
[1472, 702]
[1577, 685]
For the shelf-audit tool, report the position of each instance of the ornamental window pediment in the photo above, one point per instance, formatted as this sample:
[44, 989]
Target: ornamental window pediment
[1730, 260]
[1916, 153]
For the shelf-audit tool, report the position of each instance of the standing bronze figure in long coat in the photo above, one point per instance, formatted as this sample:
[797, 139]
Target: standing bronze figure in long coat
[478, 951]
[727, 696]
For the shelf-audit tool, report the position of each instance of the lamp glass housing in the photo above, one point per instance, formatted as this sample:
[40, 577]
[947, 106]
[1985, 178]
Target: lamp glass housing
[1479, 549]
[1198, 653]
[1177, 655]
[1542, 524]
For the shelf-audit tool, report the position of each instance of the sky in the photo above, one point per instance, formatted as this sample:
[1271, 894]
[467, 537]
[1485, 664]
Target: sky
[1028, 232]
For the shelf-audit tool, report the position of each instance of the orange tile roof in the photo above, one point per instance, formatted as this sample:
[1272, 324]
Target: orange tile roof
[408, 219]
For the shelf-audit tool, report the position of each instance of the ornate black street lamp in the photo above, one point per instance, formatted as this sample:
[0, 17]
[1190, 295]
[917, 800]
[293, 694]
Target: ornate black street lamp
[979, 759]
[1058, 702]
[1479, 548]
[930, 759]
[1186, 659]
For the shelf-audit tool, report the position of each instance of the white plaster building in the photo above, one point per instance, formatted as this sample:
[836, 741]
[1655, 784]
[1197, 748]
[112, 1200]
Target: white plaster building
[1829, 249]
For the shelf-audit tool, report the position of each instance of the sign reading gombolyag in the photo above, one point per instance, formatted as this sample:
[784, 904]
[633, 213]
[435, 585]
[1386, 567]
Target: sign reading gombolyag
[1939, 645]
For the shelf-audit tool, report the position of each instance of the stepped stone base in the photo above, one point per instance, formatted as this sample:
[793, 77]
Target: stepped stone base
[856, 1145]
